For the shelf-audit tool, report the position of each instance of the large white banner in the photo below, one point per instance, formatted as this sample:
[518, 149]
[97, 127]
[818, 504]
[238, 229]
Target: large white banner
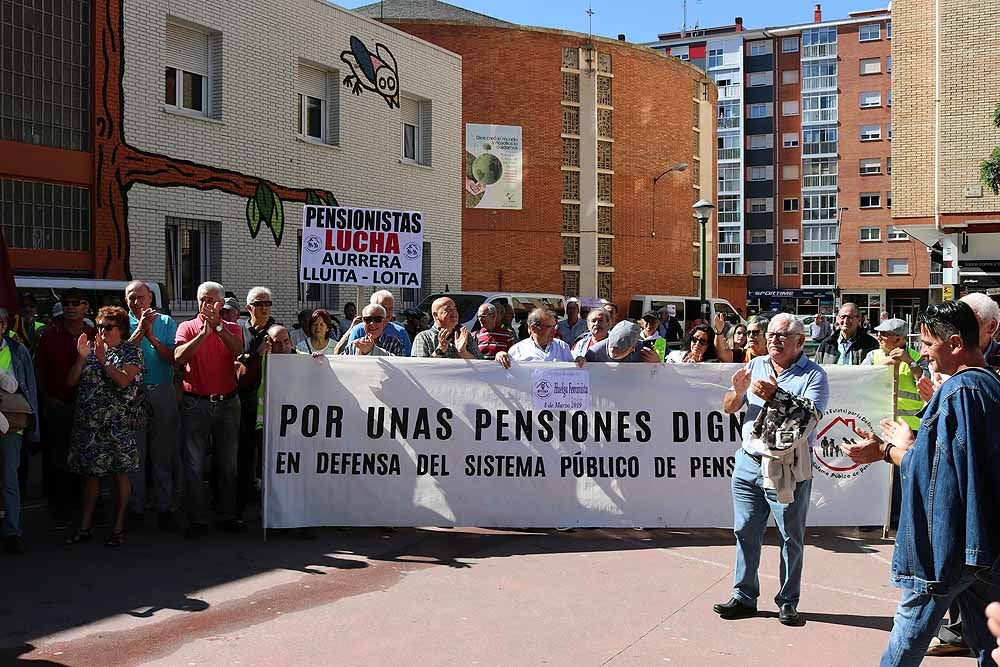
[361, 246]
[437, 442]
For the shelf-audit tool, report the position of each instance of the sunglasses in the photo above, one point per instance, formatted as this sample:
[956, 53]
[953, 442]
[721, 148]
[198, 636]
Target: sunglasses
[374, 319]
[105, 327]
[698, 340]
[261, 304]
[71, 303]
[754, 332]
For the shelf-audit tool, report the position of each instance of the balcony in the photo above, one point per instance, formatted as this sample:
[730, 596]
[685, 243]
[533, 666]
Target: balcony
[819, 248]
[730, 249]
[817, 116]
[731, 92]
[729, 154]
[816, 84]
[729, 123]
[820, 149]
[816, 51]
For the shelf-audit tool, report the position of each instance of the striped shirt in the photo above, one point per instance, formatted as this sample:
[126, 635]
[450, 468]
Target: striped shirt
[491, 342]
[392, 345]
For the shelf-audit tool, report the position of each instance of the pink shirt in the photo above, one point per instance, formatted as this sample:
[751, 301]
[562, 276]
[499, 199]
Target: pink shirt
[210, 370]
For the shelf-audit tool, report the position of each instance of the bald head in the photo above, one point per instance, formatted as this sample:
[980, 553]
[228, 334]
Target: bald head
[281, 342]
[445, 313]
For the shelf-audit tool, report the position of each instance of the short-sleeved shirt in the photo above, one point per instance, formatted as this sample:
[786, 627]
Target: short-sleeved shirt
[491, 342]
[210, 370]
[570, 332]
[392, 329]
[56, 355]
[528, 351]
[157, 370]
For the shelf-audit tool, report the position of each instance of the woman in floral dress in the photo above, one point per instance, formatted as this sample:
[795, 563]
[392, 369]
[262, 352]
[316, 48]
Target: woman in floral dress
[109, 372]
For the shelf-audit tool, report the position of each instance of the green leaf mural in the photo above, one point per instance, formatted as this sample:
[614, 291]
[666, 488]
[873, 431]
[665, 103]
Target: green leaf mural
[253, 217]
[277, 220]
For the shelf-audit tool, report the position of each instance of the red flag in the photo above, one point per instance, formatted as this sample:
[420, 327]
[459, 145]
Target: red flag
[8, 290]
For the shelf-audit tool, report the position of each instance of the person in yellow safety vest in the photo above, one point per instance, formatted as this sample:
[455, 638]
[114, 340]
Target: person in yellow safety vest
[891, 334]
[651, 337]
[278, 341]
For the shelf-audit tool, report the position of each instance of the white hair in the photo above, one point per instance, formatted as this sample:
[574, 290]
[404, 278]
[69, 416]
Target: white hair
[490, 308]
[985, 308]
[382, 295]
[257, 291]
[135, 284]
[795, 325]
[373, 309]
[209, 286]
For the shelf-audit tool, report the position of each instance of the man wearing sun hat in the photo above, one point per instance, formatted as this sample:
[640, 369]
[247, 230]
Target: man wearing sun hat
[893, 351]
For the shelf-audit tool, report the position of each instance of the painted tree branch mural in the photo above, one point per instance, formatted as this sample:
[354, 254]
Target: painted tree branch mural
[119, 166]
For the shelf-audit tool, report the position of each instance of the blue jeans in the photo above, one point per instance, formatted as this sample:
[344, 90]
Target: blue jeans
[157, 443]
[10, 458]
[216, 427]
[751, 507]
[918, 615]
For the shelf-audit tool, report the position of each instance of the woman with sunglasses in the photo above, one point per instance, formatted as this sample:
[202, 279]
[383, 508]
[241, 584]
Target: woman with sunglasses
[109, 372]
[318, 341]
[700, 344]
[732, 349]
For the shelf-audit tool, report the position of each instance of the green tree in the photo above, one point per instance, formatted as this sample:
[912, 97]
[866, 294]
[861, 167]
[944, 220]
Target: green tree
[989, 169]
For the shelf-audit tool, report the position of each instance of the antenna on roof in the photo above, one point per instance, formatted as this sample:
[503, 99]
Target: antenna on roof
[684, 13]
[590, 22]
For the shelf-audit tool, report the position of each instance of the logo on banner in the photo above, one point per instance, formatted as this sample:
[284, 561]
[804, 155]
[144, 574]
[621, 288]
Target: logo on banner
[314, 244]
[543, 389]
[412, 250]
[839, 427]
[560, 389]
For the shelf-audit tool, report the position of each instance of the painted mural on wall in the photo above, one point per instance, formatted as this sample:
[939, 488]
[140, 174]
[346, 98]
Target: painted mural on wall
[376, 72]
[119, 166]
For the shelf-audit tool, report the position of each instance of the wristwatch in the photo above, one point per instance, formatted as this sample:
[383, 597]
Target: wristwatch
[218, 327]
[914, 364]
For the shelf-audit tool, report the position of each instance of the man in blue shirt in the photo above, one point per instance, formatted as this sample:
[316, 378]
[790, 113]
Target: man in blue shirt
[785, 367]
[154, 334]
[385, 299]
[948, 542]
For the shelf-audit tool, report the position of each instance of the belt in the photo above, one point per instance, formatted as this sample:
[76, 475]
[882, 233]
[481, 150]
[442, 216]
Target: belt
[756, 457]
[211, 398]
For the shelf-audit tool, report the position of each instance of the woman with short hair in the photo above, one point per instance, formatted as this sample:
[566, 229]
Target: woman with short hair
[318, 328]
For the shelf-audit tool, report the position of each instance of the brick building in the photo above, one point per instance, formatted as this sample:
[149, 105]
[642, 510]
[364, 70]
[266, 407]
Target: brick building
[148, 132]
[600, 120]
[948, 56]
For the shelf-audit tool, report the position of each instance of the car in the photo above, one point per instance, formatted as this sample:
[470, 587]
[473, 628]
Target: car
[47, 291]
[468, 304]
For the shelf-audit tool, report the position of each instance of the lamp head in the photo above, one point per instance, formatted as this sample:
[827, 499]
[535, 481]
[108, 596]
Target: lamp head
[702, 210]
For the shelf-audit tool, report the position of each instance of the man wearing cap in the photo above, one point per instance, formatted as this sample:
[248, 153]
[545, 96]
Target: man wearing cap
[893, 351]
[55, 356]
[622, 344]
[670, 328]
[26, 327]
[230, 311]
[650, 324]
[541, 343]
[573, 326]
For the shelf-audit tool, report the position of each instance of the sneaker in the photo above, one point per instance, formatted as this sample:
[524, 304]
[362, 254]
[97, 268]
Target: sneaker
[235, 526]
[938, 647]
[167, 522]
[14, 544]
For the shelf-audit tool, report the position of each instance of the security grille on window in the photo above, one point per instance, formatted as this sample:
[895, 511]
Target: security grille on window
[571, 57]
[312, 87]
[871, 132]
[570, 152]
[194, 255]
[869, 32]
[604, 220]
[571, 218]
[871, 166]
[603, 122]
[790, 139]
[790, 267]
[871, 66]
[604, 282]
[869, 266]
[604, 63]
[571, 283]
[604, 252]
[869, 234]
[898, 266]
[604, 90]
[570, 87]
[871, 100]
[791, 205]
[894, 233]
[187, 69]
[604, 188]
[571, 185]
[789, 44]
[871, 200]
[43, 216]
[604, 160]
[571, 120]
[571, 250]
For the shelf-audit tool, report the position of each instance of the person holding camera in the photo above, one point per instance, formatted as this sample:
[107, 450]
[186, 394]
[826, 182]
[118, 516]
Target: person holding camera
[446, 338]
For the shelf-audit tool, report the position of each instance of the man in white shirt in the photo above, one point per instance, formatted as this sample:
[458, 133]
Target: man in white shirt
[540, 345]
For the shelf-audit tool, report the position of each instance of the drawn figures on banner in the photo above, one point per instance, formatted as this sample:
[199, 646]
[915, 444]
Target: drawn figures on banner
[828, 458]
[376, 72]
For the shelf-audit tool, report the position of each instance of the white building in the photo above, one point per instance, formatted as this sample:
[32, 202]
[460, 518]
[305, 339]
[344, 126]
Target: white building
[256, 88]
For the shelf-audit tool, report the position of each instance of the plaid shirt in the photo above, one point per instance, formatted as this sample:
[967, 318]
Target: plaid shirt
[491, 342]
[392, 345]
[992, 354]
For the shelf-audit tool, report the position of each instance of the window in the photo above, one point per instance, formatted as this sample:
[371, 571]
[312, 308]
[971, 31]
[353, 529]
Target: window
[757, 79]
[187, 69]
[415, 116]
[819, 108]
[761, 110]
[730, 242]
[571, 185]
[790, 108]
[821, 141]
[819, 207]
[728, 210]
[790, 205]
[571, 250]
[790, 76]
[888, 132]
[604, 91]
[819, 42]
[871, 66]
[790, 235]
[871, 200]
[790, 139]
[570, 87]
[729, 114]
[759, 141]
[678, 52]
[790, 267]
[871, 166]
[869, 267]
[790, 172]
[888, 29]
[760, 173]
[789, 44]
[817, 76]
[729, 146]
[895, 267]
[894, 233]
[871, 133]
[819, 239]
[870, 234]
[888, 199]
[871, 100]
[571, 120]
[888, 63]
[762, 205]
[889, 99]
[317, 104]
[714, 58]
[937, 274]
[43, 216]
[761, 48]
[571, 282]
[729, 177]
[819, 272]
[761, 268]
[888, 165]
[870, 32]
[819, 173]
[194, 253]
[757, 237]
[729, 267]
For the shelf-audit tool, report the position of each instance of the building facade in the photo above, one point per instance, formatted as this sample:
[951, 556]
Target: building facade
[198, 138]
[947, 56]
[601, 120]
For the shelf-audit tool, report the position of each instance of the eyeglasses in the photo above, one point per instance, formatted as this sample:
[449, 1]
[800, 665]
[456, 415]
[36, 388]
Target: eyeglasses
[847, 317]
[886, 334]
[545, 326]
[698, 340]
[483, 316]
[71, 303]
[754, 332]
[780, 337]
[261, 304]
[105, 327]
[374, 319]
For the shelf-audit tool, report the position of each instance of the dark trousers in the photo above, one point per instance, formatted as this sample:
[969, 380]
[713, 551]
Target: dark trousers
[249, 452]
[61, 486]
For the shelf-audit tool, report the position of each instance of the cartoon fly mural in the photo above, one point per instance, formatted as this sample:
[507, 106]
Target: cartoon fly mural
[373, 71]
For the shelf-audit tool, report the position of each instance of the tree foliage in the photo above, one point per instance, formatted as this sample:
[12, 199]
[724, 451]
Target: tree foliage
[989, 169]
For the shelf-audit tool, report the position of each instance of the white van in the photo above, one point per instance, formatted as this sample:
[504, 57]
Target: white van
[687, 308]
[468, 304]
[47, 291]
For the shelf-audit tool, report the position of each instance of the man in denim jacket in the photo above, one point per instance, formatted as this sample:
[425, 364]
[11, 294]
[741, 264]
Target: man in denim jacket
[948, 543]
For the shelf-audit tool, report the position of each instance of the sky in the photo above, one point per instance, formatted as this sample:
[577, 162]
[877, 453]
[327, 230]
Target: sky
[643, 20]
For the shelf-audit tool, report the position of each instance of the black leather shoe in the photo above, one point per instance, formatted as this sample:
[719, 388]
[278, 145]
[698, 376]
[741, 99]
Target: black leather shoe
[734, 609]
[787, 615]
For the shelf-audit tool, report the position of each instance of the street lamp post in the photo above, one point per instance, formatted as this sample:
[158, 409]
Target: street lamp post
[702, 211]
[680, 166]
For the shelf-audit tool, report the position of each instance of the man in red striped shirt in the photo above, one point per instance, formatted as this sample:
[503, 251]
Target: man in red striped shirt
[492, 337]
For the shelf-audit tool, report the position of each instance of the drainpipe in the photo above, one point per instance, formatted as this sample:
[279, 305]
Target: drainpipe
[937, 114]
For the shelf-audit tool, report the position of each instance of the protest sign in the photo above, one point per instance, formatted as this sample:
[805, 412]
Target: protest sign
[418, 442]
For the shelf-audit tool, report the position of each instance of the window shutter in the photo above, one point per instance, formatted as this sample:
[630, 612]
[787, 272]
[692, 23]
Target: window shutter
[409, 111]
[215, 81]
[187, 49]
[312, 82]
[333, 107]
[425, 132]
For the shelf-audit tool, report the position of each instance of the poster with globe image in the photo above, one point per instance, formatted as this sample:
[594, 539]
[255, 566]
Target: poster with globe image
[493, 166]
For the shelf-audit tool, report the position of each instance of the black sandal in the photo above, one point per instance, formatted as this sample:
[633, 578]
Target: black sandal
[80, 536]
[116, 539]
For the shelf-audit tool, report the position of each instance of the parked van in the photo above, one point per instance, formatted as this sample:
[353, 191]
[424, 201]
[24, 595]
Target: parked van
[468, 304]
[687, 308]
[47, 291]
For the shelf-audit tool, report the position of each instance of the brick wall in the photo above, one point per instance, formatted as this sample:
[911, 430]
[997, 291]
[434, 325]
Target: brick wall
[791, 188]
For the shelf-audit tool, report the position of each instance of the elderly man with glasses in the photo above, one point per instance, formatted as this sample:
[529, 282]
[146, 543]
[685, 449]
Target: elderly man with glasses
[376, 341]
[850, 344]
[767, 382]
[492, 338]
[541, 343]
[447, 338]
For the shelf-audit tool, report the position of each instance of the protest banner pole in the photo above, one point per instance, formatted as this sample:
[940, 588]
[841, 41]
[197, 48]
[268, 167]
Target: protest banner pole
[892, 477]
